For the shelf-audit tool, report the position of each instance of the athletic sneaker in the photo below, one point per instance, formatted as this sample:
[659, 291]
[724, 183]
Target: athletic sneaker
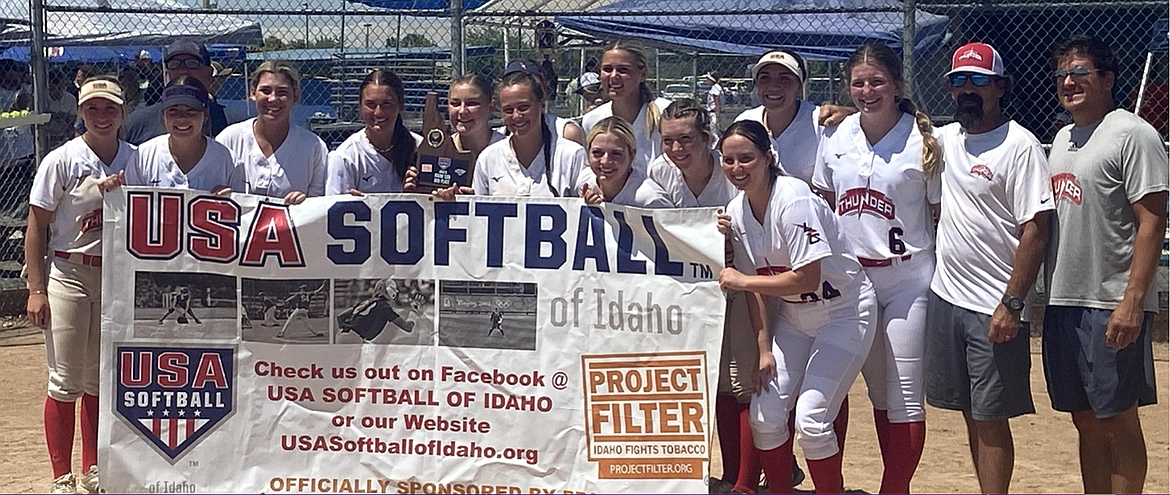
[67, 483]
[409, 326]
[88, 482]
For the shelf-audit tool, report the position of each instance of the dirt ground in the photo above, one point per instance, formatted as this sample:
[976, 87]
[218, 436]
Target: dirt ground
[1046, 447]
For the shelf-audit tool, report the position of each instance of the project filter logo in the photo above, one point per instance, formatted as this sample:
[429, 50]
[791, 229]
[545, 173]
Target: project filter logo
[175, 396]
[646, 415]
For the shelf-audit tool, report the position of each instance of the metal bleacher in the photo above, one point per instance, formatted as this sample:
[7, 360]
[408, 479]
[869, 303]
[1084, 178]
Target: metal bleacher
[420, 74]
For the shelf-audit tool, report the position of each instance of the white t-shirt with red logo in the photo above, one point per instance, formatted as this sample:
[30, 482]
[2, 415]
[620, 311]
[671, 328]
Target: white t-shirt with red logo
[66, 184]
[798, 228]
[993, 183]
[883, 196]
[1098, 172]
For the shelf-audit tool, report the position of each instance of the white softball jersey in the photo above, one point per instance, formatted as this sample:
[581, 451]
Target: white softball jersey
[717, 192]
[883, 196]
[798, 228]
[638, 191]
[649, 142]
[66, 184]
[993, 184]
[796, 148]
[357, 165]
[299, 164]
[156, 167]
[499, 173]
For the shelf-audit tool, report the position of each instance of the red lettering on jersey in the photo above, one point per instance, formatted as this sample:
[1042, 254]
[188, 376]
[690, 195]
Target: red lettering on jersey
[210, 370]
[172, 369]
[272, 234]
[863, 200]
[92, 221]
[772, 270]
[982, 171]
[1065, 185]
[214, 229]
[136, 377]
[155, 229]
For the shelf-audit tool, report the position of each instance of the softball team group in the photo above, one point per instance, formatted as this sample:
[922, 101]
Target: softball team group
[830, 228]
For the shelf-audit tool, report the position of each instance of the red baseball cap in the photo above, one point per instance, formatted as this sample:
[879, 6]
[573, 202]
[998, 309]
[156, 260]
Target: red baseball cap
[979, 58]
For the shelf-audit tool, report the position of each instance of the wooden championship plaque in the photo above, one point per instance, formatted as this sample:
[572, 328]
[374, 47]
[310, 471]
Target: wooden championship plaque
[440, 163]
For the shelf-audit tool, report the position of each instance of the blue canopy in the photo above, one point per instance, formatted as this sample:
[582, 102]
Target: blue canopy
[418, 4]
[817, 36]
[1160, 36]
[95, 54]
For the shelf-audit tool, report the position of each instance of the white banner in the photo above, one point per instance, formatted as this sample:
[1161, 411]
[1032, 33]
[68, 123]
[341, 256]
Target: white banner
[394, 344]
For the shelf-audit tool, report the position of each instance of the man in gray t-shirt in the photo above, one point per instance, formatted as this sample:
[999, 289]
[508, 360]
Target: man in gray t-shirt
[1109, 179]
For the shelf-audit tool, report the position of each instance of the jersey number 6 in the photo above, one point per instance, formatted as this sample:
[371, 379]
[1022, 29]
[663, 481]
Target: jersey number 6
[896, 244]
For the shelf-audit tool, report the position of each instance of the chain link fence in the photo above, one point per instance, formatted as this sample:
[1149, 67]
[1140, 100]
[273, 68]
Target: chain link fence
[337, 42]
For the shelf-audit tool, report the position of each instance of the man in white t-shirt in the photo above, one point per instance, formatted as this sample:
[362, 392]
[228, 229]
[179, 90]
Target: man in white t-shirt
[992, 235]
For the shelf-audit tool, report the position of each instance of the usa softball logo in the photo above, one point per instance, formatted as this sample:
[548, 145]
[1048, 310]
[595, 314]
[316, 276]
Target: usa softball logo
[175, 396]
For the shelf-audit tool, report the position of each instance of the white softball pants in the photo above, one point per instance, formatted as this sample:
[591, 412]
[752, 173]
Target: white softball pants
[73, 339]
[894, 368]
[819, 349]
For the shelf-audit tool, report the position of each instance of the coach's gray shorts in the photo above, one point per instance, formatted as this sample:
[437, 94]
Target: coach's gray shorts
[966, 372]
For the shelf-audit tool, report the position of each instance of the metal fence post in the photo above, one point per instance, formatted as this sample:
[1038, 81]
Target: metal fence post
[909, 28]
[456, 38]
[40, 68]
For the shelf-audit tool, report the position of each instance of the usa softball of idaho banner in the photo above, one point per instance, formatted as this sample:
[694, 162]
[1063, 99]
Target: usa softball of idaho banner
[396, 344]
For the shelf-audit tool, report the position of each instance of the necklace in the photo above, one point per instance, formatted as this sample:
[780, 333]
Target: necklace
[380, 150]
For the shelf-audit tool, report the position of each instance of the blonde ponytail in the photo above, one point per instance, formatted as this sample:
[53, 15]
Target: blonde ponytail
[931, 150]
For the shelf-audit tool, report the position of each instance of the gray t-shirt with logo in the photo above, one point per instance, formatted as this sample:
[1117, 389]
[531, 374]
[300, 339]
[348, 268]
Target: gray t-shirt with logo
[1098, 171]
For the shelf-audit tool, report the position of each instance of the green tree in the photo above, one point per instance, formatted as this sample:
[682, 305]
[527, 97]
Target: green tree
[273, 43]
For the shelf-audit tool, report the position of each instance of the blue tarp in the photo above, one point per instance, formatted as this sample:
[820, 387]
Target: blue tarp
[113, 54]
[334, 54]
[820, 36]
[418, 4]
[1160, 36]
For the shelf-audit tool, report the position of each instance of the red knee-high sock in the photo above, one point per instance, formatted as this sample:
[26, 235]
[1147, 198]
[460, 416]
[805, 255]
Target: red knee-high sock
[89, 431]
[905, 449]
[826, 474]
[749, 458]
[841, 425]
[59, 421]
[881, 423]
[778, 466]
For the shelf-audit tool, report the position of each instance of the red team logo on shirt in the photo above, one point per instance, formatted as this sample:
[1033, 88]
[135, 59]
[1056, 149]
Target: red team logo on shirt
[982, 171]
[1065, 185]
[865, 200]
[92, 221]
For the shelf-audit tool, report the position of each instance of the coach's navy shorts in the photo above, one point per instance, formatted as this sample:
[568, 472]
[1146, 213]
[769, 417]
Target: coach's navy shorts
[966, 372]
[1083, 373]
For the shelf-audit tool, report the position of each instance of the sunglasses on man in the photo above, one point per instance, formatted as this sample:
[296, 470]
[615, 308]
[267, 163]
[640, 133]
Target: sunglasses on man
[190, 63]
[978, 80]
[1077, 73]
